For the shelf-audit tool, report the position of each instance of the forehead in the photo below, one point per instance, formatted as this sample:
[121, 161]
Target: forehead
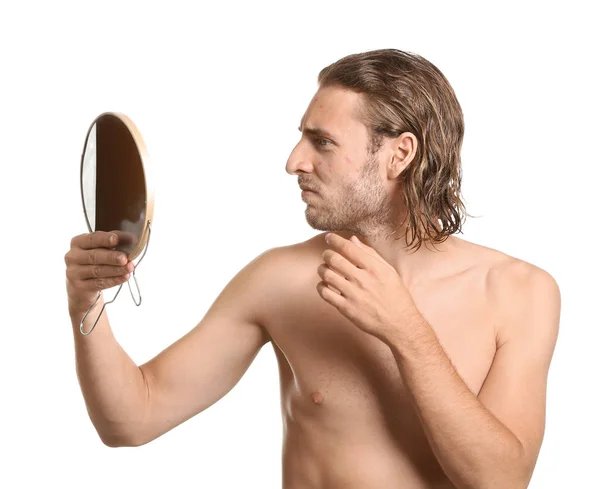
[334, 109]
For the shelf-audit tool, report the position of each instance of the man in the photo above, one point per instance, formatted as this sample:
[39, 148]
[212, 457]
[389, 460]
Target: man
[408, 357]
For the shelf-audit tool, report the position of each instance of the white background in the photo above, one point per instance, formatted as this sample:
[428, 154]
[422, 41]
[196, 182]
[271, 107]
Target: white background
[218, 92]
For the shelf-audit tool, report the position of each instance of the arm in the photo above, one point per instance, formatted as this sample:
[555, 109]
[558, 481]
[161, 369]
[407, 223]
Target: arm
[491, 440]
[131, 405]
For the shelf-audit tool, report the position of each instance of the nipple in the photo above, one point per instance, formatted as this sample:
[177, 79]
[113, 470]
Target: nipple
[317, 397]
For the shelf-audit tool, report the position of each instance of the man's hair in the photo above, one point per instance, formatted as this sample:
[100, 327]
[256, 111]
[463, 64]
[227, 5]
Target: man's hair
[405, 92]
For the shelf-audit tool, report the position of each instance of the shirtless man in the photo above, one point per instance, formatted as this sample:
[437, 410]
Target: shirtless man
[401, 366]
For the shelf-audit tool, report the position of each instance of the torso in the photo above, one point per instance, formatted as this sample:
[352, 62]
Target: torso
[347, 420]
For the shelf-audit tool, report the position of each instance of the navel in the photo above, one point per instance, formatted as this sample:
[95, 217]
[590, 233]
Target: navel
[317, 397]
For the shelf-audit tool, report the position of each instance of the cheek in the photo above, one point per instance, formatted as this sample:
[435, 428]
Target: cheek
[326, 164]
[334, 161]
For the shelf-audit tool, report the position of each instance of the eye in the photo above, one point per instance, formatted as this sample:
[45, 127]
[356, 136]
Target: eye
[322, 142]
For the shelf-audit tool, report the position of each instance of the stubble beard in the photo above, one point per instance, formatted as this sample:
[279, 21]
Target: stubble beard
[362, 207]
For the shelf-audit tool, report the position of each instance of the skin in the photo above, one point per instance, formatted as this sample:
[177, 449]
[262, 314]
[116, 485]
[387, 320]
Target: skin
[422, 386]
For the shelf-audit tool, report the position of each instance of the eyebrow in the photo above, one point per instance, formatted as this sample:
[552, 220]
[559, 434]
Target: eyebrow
[317, 131]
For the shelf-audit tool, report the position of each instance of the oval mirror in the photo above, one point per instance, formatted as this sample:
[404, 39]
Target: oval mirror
[114, 189]
[114, 182]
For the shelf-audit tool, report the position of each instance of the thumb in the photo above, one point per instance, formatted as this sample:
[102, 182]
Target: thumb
[371, 251]
[362, 245]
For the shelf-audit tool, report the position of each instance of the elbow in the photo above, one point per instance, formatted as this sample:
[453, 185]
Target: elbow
[130, 430]
[518, 471]
[117, 441]
[524, 469]
[115, 438]
[112, 441]
[512, 470]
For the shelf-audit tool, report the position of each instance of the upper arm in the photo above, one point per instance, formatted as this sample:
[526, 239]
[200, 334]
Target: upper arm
[205, 364]
[515, 387]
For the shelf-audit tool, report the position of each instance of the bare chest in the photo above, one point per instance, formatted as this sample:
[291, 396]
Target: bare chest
[331, 369]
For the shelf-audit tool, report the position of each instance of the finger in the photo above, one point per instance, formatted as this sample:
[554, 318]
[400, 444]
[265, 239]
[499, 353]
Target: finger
[367, 248]
[97, 239]
[363, 246]
[126, 238]
[97, 256]
[339, 264]
[334, 298]
[348, 249]
[84, 272]
[333, 279]
[102, 283]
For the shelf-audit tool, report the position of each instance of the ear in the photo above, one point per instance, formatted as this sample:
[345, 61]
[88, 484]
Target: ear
[403, 150]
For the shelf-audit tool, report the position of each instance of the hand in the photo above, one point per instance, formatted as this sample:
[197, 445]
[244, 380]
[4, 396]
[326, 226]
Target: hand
[93, 265]
[371, 293]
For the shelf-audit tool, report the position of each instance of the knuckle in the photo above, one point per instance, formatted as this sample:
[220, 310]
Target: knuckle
[83, 285]
[70, 275]
[99, 283]
[328, 274]
[358, 279]
[96, 271]
[75, 240]
[93, 257]
[346, 309]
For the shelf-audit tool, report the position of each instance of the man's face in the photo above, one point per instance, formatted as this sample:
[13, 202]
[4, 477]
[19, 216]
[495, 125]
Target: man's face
[333, 159]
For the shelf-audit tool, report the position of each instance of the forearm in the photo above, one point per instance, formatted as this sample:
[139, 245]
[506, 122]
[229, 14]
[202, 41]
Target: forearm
[113, 386]
[473, 447]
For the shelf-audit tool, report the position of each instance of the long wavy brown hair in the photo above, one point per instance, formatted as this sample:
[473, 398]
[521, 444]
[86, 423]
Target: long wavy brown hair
[405, 92]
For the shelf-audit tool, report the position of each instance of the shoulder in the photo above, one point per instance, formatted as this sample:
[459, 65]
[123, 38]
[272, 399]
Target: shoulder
[287, 255]
[280, 267]
[523, 298]
[506, 277]
[278, 274]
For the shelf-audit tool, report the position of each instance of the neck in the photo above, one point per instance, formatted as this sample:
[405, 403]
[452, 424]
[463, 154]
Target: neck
[414, 266]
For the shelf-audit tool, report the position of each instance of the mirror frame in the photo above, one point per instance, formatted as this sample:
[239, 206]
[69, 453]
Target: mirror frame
[145, 159]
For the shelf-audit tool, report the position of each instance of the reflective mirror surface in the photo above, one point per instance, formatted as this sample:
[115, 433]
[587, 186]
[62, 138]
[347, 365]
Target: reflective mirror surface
[113, 185]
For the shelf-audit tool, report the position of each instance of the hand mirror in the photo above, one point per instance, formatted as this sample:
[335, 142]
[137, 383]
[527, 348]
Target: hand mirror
[115, 191]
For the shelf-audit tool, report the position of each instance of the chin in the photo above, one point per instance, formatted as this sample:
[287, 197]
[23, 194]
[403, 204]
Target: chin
[316, 222]
[317, 225]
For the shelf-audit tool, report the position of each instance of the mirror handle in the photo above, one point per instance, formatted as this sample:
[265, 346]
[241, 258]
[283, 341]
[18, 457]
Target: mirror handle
[101, 311]
[114, 298]
[137, 264]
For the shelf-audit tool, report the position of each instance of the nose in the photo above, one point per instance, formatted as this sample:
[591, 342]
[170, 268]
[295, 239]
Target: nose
[299, 160]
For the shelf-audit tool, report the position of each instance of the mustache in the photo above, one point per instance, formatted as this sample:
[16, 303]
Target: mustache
[307, 186]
